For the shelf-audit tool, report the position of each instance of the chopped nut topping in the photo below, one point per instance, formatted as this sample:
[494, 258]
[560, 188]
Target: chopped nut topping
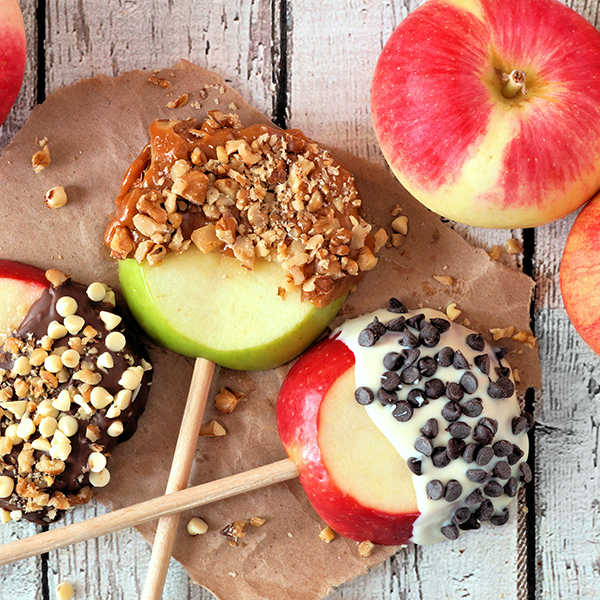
[41, 159]
[525, 338]
[178, 102]
[444, 279]
[257, 521]
[327, 535]
[495, 252]
[227, 399]
[212, 429]
[502, 332]
[163, 83]
[452, 312]
[235, 530]
[365, 548]
[514, 246]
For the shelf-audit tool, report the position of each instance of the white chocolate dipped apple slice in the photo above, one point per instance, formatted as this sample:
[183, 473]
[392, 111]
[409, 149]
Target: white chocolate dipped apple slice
[405, 428]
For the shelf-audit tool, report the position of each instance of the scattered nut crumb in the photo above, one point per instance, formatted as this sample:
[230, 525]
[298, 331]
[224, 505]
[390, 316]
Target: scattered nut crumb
[466, 322]
[514, 246]
[257, 521]
[445, 268]
[56, 197]
[327, 535]
[396, 210]
[197, 526]
[232, 106]
[365, 548]
[495, 252]
[212, 429]
[55, 277]
[232, 573]
[179, 102]
[452, 312]
[64, 591]
[41, 159]
[163, 83]
[516, 375]
[227, 399]
[398, 239]
[400, 224]
[444, 279]
[525, 338]
[502, 332]
[235, 530]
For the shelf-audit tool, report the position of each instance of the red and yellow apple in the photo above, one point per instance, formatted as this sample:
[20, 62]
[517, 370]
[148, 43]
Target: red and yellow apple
[460, 133]
[20, 286]
[580, 274]
[354, 478]
[12, 55]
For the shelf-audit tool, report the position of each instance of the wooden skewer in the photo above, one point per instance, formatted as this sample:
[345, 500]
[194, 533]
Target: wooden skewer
[149, 510]
[183, 458]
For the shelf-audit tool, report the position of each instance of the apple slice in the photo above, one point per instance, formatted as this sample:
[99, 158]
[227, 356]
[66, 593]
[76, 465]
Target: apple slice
[20, 286]
[351, 473]
[209, 305]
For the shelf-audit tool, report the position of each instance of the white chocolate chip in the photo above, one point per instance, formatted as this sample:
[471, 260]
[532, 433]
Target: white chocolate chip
[25, 428]
[96, 291]
[16, 515]
[115, 341]
[123, 399]
[16, 407]
[100, 398]
[46, 408]
[63, 401]
[105, 361]
[100, 479]
[111, 320]
[60, 451]
[197, 526]
[64, 591]
[131, 378]
[68, 425]
[59, 436]
[145, 365]
[109, 298]
[66, 306]
[47, 427]
[41, 444]
[4, 516]
[113, 412]
[56, 330]
[11, 433]
[53, 363]
[74, 324]
[70, 358]
[7, 485]
[115, 429]
[22, 366]
[96, 462]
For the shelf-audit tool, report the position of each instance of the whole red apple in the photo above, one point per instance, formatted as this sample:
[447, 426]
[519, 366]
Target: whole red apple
[579, 274]
[352, 475]
[488, 111]
[12, 55]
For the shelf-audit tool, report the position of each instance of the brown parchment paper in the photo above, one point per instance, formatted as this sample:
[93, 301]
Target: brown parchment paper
[94, 129]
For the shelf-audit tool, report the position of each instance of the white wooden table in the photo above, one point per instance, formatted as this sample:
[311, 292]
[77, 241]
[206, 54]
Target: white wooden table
[308, 64]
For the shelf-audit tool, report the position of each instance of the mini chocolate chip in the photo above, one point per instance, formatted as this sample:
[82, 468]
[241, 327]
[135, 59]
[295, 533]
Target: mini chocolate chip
[475, 497]
[396, 325]
[451, 411]
[434, 388]
[393, 361]
[472, 407]
[501, 352]
[519, 425]
[408, 339]
[461, 515]
[476, 342]
[450, 531]
[445, 356]
[459, 361]
[416, 398]
[424, 445]
[477, 475]
[367, 338]
[377, 327]
[390, 381]
[410, 375]
[415, 466]
[440, 324]
[491, 424]
[502, 371]
[469, 382]
[415, 321]
[454, 391]
[502, 448]
[364, 395]
[386, 397]
[511, 487]
[493, 489]
[516, 456]
[508, 387]
[434, 489]
[453, 491]
[459, 430]
[526, 475]
[502, 470]
[410, 356]
[471, 523]
[439, 457]
[495, 391]
[482, 362]
[427, 366]
[470, 453]
[482, 435]
[485, 510]
[396, 306]
[429, 335]
[484, 455]
[455, 448]
[431, 428]
[501, 519]
[403, 411]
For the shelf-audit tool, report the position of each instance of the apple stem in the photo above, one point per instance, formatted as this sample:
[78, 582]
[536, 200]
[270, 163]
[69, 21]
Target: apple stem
[514, 83]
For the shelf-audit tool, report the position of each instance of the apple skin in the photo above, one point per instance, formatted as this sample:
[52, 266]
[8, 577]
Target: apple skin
[298, 406]
[12, 55]
[462, 148]
[580, 275]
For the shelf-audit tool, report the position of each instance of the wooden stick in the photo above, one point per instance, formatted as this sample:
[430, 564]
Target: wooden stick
[183, 458]
[149, 510]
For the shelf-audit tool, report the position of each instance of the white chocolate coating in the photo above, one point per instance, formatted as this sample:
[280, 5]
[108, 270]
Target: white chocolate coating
[434, 514]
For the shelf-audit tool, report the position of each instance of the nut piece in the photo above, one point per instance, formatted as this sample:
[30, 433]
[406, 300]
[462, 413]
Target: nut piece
[327, 535]
[502, 332]
[452, 312]
[528, 339]
[235, 530]
[64, 591]
[212, 429]
[55, 197]
[227, 399]
[197, 526]
[41, 159]
[444, 279]
[257, 521]
[514, 246]
[178, 102]
[365, 548]
[495, 252]
[400, 224]
[55, 277]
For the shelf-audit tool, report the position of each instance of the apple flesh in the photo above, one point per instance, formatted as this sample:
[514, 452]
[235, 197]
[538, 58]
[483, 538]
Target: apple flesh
[20, 286]
[12, 55]
[454, 139]
[356, 481]
[209, 305]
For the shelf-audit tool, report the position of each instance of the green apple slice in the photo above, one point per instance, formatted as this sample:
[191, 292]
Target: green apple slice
[210, 306]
